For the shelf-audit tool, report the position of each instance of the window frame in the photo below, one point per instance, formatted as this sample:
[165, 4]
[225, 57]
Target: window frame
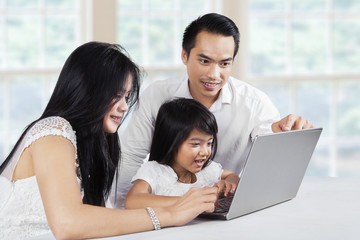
[85, 22]
[238, 11]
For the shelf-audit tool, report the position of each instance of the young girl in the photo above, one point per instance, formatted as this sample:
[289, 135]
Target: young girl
[61, 169]
[184, 143]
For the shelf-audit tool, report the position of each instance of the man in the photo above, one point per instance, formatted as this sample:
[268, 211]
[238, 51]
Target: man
[210, 44]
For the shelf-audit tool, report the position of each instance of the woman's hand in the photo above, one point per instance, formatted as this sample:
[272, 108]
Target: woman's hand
[194, 202]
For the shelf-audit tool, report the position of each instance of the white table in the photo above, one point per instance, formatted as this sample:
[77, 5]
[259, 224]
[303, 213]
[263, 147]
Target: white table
[325, 208]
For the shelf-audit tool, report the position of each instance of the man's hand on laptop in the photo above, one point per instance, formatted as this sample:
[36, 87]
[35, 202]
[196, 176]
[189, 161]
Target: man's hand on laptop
[291, 122]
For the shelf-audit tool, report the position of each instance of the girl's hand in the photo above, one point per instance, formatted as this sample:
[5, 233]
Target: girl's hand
[226, 187]
[194, 202]
[228, 183]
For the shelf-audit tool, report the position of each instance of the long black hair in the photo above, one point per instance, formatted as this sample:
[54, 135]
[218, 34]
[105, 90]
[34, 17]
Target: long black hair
[174, 123]
[213, 23]
[91, 78]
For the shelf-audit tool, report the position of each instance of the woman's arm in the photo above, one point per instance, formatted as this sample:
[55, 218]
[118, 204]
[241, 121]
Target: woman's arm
[140, 196]
[53, 159]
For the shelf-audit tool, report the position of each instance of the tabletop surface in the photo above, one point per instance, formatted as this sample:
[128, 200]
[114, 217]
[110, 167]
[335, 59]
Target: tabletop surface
[324, 208]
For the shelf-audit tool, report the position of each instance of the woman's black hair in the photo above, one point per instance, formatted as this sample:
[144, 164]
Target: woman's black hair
[212, 23]
[92, 77]
[174, 123]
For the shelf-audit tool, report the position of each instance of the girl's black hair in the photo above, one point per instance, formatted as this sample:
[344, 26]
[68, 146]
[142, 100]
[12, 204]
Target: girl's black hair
[174, 123]
[92, 77]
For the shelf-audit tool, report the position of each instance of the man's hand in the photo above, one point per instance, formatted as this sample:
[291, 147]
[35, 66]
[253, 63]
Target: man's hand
[291, 122]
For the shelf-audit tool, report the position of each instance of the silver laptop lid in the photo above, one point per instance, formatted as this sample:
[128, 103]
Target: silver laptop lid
[274, 170]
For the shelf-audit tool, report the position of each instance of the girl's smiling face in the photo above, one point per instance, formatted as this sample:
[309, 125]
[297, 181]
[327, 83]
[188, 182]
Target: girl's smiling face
[193, 153]
[113, 118]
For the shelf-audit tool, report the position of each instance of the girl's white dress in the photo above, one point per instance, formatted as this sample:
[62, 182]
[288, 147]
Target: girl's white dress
[22, 213]
[164, 181]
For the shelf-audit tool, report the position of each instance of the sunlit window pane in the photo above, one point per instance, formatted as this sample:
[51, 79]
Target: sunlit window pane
[320, 164]
[346, 5]
[23, 37]
[22, 3]
[61, 3]
[279, 95]
[60, 39]
[2, 107]
[130, 36]
[151, 31]
[129, 5]
[313, 100]
[346, 46]
[268, 47]
[161, 5]
[35, 39]
[348, 114]
[267, 5]
[161, 35]
[24, 90]
[321, 38]
[1, 150]
[193, 5]
[348, 159]
[2, 47]
[308, 5]
[309, 47]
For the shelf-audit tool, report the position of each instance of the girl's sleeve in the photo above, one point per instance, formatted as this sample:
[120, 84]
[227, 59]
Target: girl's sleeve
[212, 173]
[149, 172]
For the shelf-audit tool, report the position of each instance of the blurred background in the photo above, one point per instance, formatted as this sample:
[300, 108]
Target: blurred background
[304, 54]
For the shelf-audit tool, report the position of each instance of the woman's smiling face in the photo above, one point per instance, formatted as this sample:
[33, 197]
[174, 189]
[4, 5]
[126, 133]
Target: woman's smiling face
[113, 118]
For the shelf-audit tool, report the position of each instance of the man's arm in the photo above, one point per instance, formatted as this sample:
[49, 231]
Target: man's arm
[291, 122]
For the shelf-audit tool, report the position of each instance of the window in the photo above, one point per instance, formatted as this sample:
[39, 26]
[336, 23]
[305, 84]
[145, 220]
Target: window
[305, 56]
[36, 37]
[151, 31]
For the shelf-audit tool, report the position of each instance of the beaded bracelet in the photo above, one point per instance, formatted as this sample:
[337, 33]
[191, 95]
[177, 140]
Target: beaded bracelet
[154, 218]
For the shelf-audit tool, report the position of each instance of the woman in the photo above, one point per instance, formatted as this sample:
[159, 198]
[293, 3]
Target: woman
[60, 171]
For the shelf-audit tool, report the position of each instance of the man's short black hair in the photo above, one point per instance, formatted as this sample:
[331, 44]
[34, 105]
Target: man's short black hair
[212, 23]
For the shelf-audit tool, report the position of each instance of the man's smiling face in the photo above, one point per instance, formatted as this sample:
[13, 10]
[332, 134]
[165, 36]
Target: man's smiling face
[209, 65]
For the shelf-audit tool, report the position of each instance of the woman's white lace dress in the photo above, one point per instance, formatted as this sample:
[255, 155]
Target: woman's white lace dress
[164, 181]
[22, 213]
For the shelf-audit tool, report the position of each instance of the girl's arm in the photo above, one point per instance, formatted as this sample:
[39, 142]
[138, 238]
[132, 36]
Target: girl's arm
[140, 196]
[53, 159]
[228, 183]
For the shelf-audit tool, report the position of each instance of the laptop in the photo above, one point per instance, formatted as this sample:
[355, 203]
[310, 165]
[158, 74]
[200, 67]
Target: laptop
[273, 172]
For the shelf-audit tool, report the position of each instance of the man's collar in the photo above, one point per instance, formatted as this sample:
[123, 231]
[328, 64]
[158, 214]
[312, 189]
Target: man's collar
[183, 91]
[225, 94]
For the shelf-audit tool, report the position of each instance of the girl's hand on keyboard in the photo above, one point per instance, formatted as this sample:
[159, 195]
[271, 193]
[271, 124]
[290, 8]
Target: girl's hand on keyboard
[226, 187]
[228, 183]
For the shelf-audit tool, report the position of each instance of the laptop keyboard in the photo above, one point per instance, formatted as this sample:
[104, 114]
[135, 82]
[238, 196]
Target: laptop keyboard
[222, 205]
